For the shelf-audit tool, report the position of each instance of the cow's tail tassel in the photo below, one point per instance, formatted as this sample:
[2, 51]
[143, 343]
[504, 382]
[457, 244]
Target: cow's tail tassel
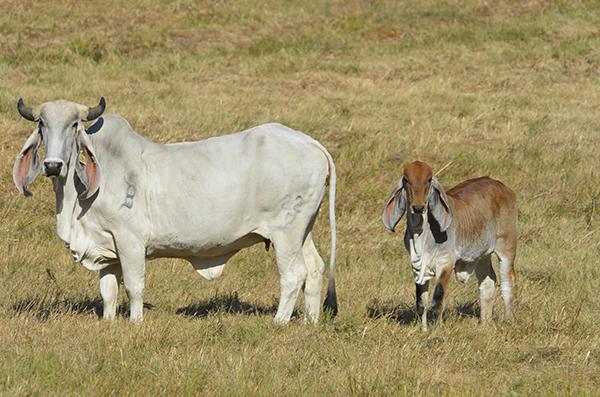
[330, 305]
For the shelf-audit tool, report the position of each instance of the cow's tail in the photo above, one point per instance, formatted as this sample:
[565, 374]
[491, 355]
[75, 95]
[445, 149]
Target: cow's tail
[330, 303]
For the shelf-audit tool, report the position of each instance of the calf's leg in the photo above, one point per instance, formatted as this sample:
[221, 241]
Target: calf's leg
[506, 251]
[422, 293]
[440, 292]
[486, 279]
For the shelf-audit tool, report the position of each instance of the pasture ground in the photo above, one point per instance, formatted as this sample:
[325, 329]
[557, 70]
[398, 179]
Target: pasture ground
[509, 89]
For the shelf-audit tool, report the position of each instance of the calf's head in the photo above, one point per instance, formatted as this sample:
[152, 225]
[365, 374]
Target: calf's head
[419, 192]
[59, 126]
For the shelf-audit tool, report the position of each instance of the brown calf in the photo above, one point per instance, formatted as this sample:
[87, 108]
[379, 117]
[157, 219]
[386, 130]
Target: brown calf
[456, 230]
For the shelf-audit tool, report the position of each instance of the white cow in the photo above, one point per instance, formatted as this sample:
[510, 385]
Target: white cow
[122, 199]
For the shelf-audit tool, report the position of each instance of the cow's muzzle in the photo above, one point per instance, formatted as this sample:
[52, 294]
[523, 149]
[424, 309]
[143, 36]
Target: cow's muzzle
[52, 167]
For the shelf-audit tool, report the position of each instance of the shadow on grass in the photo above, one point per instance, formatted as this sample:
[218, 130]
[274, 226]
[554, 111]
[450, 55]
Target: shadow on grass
[229, 303]
[44, 307]
[469, 309]
[407, 314]
[401, 313]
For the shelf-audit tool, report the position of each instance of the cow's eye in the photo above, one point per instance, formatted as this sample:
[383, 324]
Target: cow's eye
[75, 124]
[41, 123]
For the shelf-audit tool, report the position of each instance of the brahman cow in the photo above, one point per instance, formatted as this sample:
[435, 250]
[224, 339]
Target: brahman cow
[122, 199]
[456, 230]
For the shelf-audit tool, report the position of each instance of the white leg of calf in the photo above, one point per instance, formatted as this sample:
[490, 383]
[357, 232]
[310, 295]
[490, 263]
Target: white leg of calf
[110, 278]
[314, 281]
[486, 298]
[507, 282]
[487, 287]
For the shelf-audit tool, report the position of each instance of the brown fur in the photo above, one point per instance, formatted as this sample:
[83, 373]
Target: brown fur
[476, 205]
[475, 202]
[441, 292]
[418, 175]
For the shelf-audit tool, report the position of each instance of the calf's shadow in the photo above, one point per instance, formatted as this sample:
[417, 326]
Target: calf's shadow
[402, 313]
[407, 314]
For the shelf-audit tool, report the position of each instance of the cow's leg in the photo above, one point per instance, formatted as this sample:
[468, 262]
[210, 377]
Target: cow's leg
[292, 271]
[133, 265]
[314, 280]
[422, 293]
[506, 251]
[486, 279]
[441, 292]
[110, 277]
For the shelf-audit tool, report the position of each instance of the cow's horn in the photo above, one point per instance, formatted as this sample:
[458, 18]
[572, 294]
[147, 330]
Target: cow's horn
[94, 113]
[25, 111]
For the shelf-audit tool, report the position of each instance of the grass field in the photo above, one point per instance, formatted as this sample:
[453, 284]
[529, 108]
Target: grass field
[509, 89]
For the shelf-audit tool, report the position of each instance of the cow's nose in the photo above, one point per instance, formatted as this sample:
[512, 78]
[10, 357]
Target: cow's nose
[418, 209]
[52, 168]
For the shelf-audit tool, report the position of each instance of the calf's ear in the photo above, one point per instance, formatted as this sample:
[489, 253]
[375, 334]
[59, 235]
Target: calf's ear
[438, 205]
[89, 172]
[27, 166]
[395, 207]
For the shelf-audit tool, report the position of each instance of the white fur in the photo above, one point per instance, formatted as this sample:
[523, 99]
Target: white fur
[201, 201]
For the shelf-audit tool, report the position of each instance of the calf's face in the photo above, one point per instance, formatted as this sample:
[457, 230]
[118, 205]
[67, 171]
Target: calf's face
[417, 180]
[419, 192]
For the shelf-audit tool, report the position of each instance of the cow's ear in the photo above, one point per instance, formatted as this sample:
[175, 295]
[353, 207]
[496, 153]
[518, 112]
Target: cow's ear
[395, 207]
[87, 167]
[27, 166]
[438, 205]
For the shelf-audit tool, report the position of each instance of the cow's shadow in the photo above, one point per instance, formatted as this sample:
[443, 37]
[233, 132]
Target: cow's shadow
[44, 307]
[407, 314]
[229, 303]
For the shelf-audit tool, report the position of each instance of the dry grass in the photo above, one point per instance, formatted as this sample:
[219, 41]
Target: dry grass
[509, 89]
